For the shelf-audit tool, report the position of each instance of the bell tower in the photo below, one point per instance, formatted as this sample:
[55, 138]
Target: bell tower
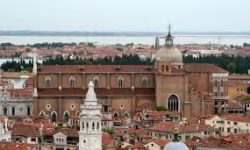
[90, 134]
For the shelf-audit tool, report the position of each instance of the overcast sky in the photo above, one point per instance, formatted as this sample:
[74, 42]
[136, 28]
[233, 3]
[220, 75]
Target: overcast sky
[125, 15]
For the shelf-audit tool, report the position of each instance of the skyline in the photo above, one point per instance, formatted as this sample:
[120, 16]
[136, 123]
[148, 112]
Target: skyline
[111, 15]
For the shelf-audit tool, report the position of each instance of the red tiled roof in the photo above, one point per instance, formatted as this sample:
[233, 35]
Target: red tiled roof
[161, 142]
[68, 132]
[233, 105]
[94, 68]
[236, 141]
[25, 130]
[16, 146]
[107, 139]
[203, 68]
[171, 127]
[236, 118]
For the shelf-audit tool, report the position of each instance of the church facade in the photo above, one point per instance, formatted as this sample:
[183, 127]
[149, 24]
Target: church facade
[190, 89]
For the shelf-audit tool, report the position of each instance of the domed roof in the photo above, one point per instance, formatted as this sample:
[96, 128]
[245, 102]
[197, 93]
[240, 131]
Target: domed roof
[175, 146]
[170, 54]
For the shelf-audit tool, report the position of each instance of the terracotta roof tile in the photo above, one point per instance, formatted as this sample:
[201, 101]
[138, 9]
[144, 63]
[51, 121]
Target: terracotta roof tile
[203, 68]
[94, 68]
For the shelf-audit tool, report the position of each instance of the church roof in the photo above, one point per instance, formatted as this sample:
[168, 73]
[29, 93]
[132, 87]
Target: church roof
[203, 68]
[95, 68]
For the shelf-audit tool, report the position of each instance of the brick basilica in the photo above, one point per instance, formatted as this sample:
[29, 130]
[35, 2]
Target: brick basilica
[190, 89]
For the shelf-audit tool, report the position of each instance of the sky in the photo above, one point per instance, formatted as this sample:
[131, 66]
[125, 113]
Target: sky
[125, 15]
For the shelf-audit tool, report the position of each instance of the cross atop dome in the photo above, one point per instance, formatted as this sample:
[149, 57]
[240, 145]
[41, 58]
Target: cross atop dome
[169, 39]
[169, 30]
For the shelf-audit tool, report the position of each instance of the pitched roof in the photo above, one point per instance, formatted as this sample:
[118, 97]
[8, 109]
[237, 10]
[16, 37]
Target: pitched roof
[182, 128]
[203, 68]
[161, 142]
[15, 146]
[233, 105]
[107, 139]
[236, 118]
[94, 68]
[25, 130]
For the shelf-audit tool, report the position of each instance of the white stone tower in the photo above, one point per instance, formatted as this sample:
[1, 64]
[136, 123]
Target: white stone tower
[90, 135]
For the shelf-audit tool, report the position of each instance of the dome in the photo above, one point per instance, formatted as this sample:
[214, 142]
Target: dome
[175, 146]
[170, 54]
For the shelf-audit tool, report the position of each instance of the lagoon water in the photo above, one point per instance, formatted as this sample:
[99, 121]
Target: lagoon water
[102, 40]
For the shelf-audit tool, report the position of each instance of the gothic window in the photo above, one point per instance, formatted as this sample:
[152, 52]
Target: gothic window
[120, 82]
[87, 125]
[28, 110]
[162, 68]
[96, 81]
[173, 103]
[47, 81]
[66, 117]
[115, 115]
[93, 126]
[83, 125]
[72, 81]
[13, 111]
[144, 81]
[166, 68]
[98, 125]
[216, 83]
[42, 114]
[126, 114]
[53, 117]
[5, 111]
[222, 83]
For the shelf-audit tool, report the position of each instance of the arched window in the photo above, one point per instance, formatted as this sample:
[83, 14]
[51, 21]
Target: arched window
[93, 126]
[115, 115]
[221, 83]
[162, 68]
[72, 81]
[83, 125]
[215, 83]
[120, 82]
[166, 68]
[173, 103]
[126, 114]
[5, 111]
[47, 81]
[87, 125]
[144, 81]
[97, 125]
[66, 117]
[53, 117]
[96, 81]
[42, 114]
